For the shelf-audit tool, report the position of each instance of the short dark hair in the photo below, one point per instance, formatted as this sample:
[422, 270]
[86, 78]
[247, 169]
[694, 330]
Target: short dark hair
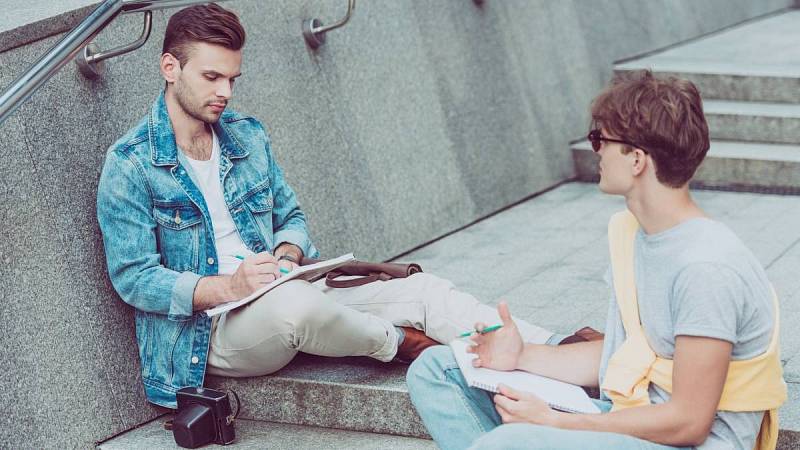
[209, 23]
[664, 116]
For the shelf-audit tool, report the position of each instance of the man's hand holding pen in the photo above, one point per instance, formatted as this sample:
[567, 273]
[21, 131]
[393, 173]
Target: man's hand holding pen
[499, 349]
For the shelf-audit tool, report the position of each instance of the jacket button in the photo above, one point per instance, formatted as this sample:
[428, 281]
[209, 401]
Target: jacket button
[195, 360]
[177, 220]
[210, 261]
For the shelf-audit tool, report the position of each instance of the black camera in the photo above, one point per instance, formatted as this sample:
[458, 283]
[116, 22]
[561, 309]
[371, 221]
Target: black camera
[204, 416]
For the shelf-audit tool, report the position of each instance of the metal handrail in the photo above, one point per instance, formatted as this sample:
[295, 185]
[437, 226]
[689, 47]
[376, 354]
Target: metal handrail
[65, 49]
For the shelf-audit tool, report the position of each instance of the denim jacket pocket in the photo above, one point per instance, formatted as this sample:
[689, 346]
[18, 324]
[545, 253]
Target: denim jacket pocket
[179, 228]
[259, 203]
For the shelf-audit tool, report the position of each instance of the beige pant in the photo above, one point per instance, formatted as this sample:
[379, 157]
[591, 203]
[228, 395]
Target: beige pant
[262, 337]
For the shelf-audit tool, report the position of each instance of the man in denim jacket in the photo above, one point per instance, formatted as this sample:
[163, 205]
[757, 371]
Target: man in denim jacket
[195, 212]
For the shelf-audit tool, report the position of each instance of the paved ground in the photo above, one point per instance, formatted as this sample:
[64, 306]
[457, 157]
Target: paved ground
[547, 256]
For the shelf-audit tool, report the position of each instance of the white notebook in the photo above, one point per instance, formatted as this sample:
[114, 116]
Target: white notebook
[311, 272]
[558, 394]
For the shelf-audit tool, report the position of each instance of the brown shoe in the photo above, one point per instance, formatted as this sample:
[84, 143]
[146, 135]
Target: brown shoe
[413, 344]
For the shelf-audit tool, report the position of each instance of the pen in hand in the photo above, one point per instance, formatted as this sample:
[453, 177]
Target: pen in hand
[283, 270]
[484, 331]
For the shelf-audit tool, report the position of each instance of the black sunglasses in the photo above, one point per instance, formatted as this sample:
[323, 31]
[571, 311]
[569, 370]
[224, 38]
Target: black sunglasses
[596, 137]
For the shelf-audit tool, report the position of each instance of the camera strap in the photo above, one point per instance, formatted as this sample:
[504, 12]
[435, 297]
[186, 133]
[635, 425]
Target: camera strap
[233, 417]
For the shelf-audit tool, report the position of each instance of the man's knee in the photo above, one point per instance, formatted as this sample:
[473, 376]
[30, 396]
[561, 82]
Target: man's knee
[296, 302]
[430, 365]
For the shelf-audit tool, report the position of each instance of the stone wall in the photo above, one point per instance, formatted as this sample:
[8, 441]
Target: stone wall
[416, 118]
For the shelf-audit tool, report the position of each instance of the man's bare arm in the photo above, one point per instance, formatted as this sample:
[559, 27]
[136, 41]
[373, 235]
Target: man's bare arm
[700, 367]
[577, 363]
[504, 350]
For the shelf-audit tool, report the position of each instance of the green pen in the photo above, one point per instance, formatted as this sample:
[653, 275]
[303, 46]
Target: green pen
[283, 270]
[484, 331]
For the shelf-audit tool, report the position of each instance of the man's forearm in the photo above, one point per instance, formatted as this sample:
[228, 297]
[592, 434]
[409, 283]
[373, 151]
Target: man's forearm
[665, 423]
[211, 291]
[574, 363]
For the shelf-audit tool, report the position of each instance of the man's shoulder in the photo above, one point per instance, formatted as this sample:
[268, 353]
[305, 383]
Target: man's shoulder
[135, 139]
[243, 125]
[240, 120]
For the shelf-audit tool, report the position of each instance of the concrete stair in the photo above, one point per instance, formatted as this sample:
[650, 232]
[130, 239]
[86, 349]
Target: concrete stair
[749, 77]
[358, 394]
[274, 436]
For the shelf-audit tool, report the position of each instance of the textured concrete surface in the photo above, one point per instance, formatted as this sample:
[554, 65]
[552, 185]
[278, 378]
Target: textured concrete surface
[413, 120]
[25, 22]
[259, 435]
[762, 65]
[753, 121]
[763, 48]
[347, 393]
[746, 166]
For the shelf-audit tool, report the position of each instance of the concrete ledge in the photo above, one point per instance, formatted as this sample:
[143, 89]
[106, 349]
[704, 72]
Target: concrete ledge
[259, 435]
[347, 393]
[37, 19]
[753, 121]
[754, 87]
[755, 61]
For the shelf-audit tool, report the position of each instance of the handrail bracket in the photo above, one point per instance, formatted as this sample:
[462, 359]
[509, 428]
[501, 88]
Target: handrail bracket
[314, 31]
[90, 60]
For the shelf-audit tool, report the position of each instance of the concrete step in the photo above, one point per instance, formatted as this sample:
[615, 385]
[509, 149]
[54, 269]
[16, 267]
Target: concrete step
[756, 61]
[730, 165]
[358, 394]
[753, 121]
[275, 436]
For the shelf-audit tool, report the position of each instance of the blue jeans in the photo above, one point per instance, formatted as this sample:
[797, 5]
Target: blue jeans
[458, 416]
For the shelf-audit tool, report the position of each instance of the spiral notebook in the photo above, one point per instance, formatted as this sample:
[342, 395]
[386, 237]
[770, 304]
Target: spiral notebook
[558, 394]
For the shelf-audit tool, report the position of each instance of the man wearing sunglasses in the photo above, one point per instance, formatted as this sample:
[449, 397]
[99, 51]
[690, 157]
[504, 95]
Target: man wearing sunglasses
[690, 356]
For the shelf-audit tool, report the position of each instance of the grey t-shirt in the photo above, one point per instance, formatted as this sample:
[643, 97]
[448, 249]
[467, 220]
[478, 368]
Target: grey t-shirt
[698, 279]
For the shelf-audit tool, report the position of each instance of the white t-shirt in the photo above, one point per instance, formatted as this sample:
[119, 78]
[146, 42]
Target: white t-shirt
[226, 235]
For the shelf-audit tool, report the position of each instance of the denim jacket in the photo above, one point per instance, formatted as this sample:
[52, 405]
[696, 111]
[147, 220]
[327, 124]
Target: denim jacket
[159, 239]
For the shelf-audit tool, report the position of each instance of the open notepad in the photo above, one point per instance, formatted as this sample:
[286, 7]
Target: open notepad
[558, 394]
[311, 272]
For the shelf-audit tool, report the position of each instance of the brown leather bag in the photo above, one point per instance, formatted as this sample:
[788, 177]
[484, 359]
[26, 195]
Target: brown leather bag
[365, 272]
[583, 335]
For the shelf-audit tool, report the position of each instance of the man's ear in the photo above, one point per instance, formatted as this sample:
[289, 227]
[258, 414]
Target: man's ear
[170, 67]
[640, 162]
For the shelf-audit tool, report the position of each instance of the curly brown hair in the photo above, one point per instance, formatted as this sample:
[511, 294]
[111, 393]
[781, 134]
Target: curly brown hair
[664, 116]
[208, 23]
